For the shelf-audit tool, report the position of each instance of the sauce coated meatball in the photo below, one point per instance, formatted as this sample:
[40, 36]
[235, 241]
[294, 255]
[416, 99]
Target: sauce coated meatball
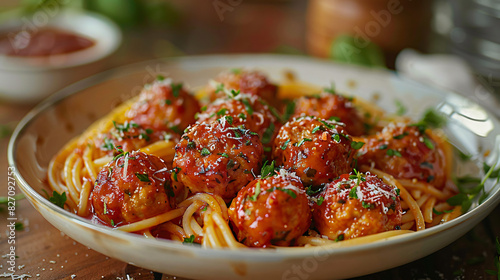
[163, 105]
[271, 211]
[217, 157]
[331, 106]
[248, 110]
[132, 187]
[405, 151]
[356, 205]
[251, 82]
[317, 150]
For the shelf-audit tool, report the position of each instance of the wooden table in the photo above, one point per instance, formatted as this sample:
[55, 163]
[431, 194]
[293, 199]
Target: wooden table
[46, 253]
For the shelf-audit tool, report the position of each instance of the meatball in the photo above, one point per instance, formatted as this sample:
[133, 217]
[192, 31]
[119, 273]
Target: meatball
[331, 106]
[248, 110]
[251, 82]
[407, 152]
[132, 187]
[217, 157]
[271, 211]
[317, 150]
[356, 205]
[164, 104]
[129, 137]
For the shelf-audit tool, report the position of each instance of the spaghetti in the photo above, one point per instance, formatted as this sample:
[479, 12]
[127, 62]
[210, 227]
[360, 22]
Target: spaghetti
[102, 164]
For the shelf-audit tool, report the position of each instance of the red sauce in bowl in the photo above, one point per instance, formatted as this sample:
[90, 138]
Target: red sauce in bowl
[44, 42]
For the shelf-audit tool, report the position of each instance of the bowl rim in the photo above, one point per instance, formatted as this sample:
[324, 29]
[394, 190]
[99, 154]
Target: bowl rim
[245, 253]
[77, 58]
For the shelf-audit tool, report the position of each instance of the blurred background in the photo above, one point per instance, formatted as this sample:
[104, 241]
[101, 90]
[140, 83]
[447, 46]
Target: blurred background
[362, 32]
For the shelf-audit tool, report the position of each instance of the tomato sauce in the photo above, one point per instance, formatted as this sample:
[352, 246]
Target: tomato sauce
[44, 42]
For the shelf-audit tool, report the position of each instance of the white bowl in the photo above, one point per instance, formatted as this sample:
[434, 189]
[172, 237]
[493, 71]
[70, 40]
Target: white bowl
[30, 79]
[49, 126]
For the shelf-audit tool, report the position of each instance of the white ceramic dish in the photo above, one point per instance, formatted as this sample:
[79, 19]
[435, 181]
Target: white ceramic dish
[50, 125]
[48, 75]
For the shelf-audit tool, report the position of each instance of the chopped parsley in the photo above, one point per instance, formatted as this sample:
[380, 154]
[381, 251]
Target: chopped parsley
[175, 172]
[242, 116]
[219, 88]
[401, 109]
[357, 145]
[287, 191]
[256, 193]
[57, 199]
[316, 129]
[189, 240]
[467, 195]
[336, 137]
[331, 89]
[235, 93]
[268, 134]
[289, 110]
[433, 119]
[248, 107]
[383, 147]
[176, 88]
[436, 212]
[352, 192]
[367, 205]
[142, 177]
[191, 145]
[230, 164]
[18, 226]
[221, 112]
[303, 141]
[267, 170]
[223, 154]
[108, 144]
[400, 136]
[235, 71]
[283, 147]
[428, 143]
[160, 78]
[391, 152]
[340, 237]
[320, 200]
[205, 152]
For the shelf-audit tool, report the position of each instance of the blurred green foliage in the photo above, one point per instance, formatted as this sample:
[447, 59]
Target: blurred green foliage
[126, 13]
[348, 49]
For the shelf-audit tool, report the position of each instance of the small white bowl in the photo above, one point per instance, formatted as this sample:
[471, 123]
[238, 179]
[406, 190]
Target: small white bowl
[30, 79]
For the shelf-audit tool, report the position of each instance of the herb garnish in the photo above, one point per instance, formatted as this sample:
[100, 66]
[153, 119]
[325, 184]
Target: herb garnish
[142, 177]
[248, 107]
[268, 134]
[391, 152]
[176, 89]
[205, 152]
[256, 193]
[283, 147]
[302, 142]
[189, 240]
[56, 198]
[357, 145]
[401, 109]
[267, 170]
